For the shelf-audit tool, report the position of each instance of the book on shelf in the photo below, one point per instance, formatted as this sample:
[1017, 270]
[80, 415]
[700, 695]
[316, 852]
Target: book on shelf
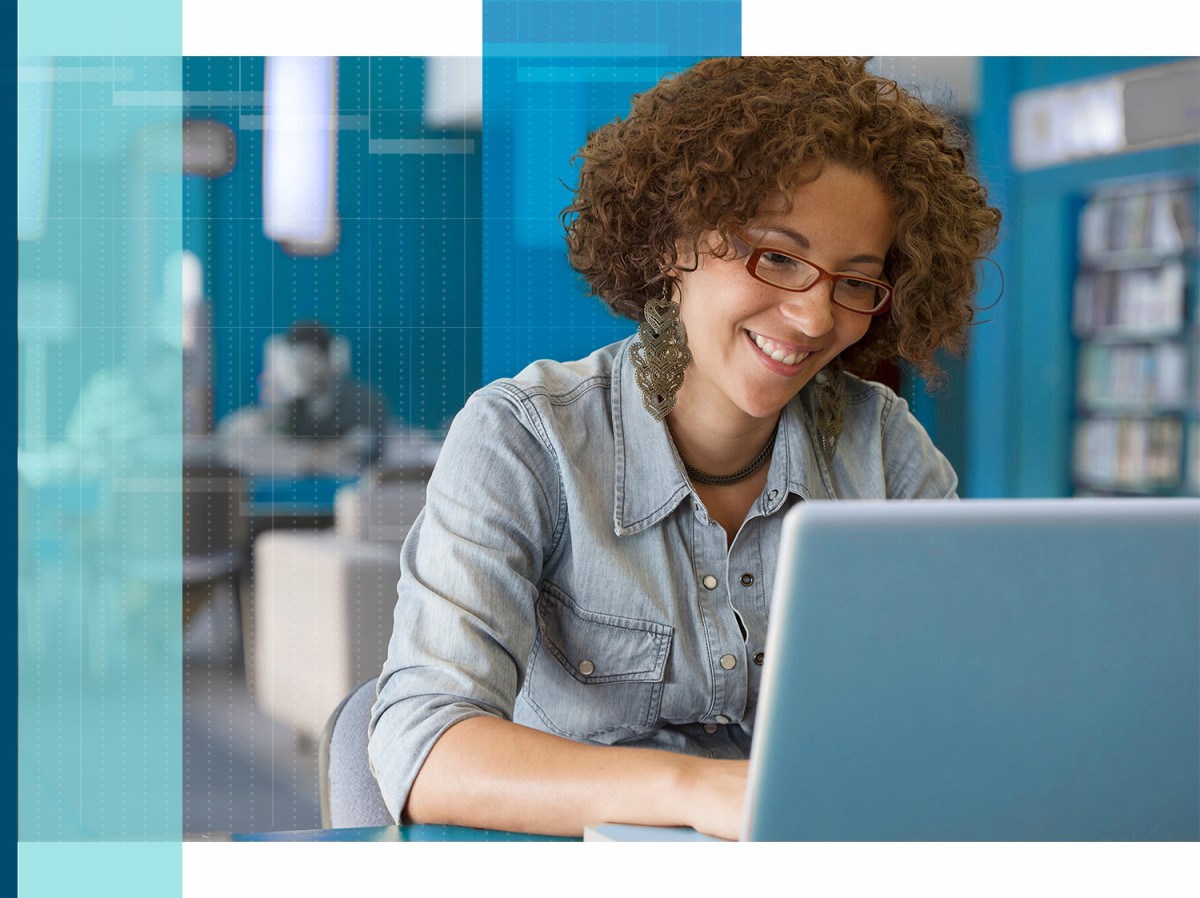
[1137, 392]
[1128, 453]
[1147, 377]
[1131, 302]
[1193, 465]
[1155, 218]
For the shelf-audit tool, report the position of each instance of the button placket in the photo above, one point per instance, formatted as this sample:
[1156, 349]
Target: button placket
[711, 560]
[748, 582]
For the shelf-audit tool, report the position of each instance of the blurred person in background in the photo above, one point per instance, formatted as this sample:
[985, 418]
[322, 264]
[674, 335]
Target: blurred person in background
[313, 418]
[129, 414]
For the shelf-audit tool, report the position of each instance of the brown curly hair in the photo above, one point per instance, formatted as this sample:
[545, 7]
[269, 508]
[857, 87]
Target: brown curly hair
[702, 150]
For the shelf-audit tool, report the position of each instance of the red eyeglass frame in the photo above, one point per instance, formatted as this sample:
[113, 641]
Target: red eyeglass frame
[754, 253]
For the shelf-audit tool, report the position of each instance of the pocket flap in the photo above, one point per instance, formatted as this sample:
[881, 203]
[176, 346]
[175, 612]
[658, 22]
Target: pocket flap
[602, 648]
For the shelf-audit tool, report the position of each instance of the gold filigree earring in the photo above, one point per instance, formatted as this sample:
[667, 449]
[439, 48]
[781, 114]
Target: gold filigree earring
[831, 404]
[660, 355]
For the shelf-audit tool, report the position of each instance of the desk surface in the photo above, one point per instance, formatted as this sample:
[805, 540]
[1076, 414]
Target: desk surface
[423, 833]
[296, 495]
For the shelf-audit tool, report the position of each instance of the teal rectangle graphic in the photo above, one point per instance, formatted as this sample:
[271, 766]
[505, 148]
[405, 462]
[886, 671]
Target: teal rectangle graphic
[99, 457]
[114, 27]
[612, 28]
[99, 451]
[119, 870]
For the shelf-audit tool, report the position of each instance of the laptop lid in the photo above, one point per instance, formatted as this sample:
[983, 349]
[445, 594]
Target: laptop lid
[982, 670]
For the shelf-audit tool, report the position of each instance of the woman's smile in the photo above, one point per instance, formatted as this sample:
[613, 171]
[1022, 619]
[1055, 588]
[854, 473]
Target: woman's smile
[785, 356]
[755, 345]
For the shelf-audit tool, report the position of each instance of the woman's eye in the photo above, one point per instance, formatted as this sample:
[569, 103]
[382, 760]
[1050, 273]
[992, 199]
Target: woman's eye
[854, 285]
[779, 260]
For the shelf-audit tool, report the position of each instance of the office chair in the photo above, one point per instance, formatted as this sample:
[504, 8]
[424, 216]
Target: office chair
[214, 544]
[350, 796]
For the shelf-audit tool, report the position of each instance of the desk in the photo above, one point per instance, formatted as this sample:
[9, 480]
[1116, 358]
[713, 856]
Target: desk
[280, 503]
[415, 833]
[309, 495]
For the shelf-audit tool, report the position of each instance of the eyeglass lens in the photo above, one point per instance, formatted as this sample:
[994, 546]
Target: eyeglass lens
[795, 274]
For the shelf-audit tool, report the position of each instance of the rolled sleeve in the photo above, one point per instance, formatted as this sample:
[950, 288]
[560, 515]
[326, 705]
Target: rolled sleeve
[469, 571]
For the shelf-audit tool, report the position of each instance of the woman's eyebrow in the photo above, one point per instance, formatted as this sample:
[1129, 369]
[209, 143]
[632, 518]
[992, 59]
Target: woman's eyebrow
[802, 241]
[795, 236]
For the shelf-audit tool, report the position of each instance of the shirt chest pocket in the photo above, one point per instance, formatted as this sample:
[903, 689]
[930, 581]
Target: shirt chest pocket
[595, 676]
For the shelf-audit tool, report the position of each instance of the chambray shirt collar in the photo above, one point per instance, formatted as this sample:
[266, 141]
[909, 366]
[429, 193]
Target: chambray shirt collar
[650, 480]
[798, 465]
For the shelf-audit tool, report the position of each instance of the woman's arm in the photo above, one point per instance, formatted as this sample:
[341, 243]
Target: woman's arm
[442, 745]
[491, 773]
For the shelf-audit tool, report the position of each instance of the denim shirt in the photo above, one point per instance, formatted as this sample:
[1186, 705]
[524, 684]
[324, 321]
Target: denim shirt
[565, 575]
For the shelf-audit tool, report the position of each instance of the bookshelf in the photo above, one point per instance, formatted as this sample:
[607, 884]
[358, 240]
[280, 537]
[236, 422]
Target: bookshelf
[1136, 322]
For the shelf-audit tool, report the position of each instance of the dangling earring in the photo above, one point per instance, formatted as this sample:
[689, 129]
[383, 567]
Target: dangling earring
[831, 405]
[660, 355]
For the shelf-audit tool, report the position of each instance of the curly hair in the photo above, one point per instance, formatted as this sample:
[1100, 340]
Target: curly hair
[702, 150]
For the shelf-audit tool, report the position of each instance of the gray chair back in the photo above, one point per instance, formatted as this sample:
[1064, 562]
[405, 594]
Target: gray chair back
[350, 796]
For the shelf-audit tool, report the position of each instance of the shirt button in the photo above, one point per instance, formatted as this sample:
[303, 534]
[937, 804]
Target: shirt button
[709, 581]
[758, 658]
[771, 495]
[747, 579]
[728, 662]
[710, 728]
[587, 668]
[721, 718]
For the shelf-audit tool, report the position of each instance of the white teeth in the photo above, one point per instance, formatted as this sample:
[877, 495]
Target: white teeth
[777, 353]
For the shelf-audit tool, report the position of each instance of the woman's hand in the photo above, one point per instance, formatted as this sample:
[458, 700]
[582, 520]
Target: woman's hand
[715, 795]
[493, 774]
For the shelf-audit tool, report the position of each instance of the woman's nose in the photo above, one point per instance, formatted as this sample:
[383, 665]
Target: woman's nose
[811, 311]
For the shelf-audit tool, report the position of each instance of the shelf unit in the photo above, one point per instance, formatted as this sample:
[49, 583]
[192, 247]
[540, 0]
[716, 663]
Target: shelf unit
[1136, 320]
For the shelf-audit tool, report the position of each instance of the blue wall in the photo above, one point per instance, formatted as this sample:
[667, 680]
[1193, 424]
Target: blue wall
[539, 113]
[552, 73]
[404, 284]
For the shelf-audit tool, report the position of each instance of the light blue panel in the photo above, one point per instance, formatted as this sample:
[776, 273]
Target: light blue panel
[114, 27]
[99, 869]
[33, 148]
[99, 456]
[99, 460]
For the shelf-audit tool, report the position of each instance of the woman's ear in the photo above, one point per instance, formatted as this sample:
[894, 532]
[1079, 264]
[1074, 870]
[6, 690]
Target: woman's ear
[687, 256]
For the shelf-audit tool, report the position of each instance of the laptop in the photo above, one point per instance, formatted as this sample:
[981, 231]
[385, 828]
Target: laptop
[984, 670]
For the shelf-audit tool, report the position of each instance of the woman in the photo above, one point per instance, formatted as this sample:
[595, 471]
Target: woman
[583, 602]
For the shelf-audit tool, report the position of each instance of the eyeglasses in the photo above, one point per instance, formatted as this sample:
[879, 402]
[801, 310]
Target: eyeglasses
[786, 270]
